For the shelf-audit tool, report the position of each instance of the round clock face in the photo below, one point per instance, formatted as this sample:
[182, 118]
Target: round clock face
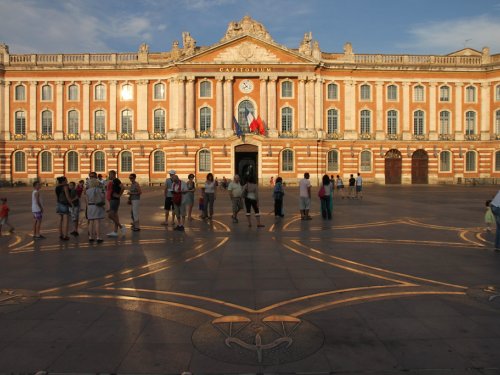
[246, 86]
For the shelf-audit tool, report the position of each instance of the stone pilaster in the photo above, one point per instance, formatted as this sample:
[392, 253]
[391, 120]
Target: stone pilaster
[301, 98]
[263, 99]
[31, 128]
[219, 108]
[172, 106]
[181, 109]
[310, 107]
[459, 133]
[379, 112]
[405, 119]
[433, 131]
[485, 111]
[85, 132]
[318, 107]
[112, 133]
[271, 106]
[228, 106]
[4, 110]
[350, 128]
[59, 120]
[190, 110]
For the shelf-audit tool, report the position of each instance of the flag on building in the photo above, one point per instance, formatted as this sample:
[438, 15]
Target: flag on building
[237, 128]
[251, 121]
[261, 127]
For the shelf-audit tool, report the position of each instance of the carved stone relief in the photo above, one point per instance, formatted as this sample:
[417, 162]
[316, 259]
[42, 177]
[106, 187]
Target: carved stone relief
[246, 52]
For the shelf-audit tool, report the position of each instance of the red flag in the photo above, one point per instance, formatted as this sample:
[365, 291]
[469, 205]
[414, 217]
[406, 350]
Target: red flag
[262, 127]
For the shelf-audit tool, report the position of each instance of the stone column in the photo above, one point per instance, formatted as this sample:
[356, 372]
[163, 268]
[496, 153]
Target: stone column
[59, 124]
[433, 132]
[405, 119]
[485, 111]
[350, 128]
[228, 106]
[219, 108]
[302, 107]
[379, 115]
[172, 106]
[263, 99]
[181, 113]
[31, 132]
[459, 133]
[310, 101]
[141, 129]
[271, 108]
[4, 111]
[112, 132]
[190, 111]
[85, 133]
[318, 108]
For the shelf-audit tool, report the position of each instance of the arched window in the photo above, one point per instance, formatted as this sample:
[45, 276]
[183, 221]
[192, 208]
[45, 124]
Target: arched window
[99, 161]
[46, 122]
[287, 89]
[392, 93]
[332, 91]
[205, 119]
[20, 93]
[127, 121]
[365, 92]
[204, 161]
[126, 162]
[99, 122]
[470, 94]
[365, 161]
[46, 93]
[100, 92]
[73, 92]
[286, 120]
[444, 122]
[470, 161]
[333, 121]
[497, 122]
[159, 91]
[287, 160]
[365, 121]
[245, 106]
[20, 124]
[392, 122]
[46, 161]
[497, 161]
[73, 122]
[127, 92]
[444, 94]
[159, 121]
[418, 93]
[20, 161]
[418, 122]
[159, 161]
[470, 123]
[72, 159]
[333, 161]
[445, 161]
[205, 89]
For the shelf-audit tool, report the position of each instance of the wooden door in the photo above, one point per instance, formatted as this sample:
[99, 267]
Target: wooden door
[420, 167]
[393, 167]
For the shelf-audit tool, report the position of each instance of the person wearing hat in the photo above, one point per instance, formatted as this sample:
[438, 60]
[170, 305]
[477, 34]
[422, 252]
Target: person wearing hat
[168, 192]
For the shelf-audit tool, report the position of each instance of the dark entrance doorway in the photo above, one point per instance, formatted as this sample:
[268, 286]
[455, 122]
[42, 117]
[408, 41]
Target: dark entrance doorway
[245, 163]
[393, 167]
[420, 167]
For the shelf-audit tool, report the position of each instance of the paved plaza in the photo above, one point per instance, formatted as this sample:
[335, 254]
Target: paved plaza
[403, 281]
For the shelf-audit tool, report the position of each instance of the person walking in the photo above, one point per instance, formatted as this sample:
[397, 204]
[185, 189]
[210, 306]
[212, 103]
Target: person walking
[63, 206]
[352, 183]
[359, 187]
[169, 206]
[114, 192]
[37, 210]
[325, 195]
[305, 197]
[189, 196]
[251, 194]
[495, 209]
[235, 190]
[278, 195]
[95, 209]
[4, 216]
[134, 197]
[209, 197]
[340, 186]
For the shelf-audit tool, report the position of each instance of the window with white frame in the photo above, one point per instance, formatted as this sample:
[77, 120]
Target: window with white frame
[99, 122]
[497, 92]
[444, 94]
[418, 122]
[205, 119]
[445, 161]
[99, 161]
[73, 122]
[127, 92]
[100, 92]
[332, 121]
[20, 161]
[392, 93]
[470, 161]
[72, 160]
[159, 121]
[20, 93]
[287, 160]
[73, 92]
[126, 161]
[470, 94]
[205, 89]
[204, 161]
[286, 120]
[46, 93]
[444, 122]
[45, 161]
[159, 161]
[365, 92]
[365, 161]
[287, 89]
[20, 123]
[365, 121]
[159, 91]
[332, 91]
[497, 122]
[470, 123]
[333, 161]
[46, 122]
[418, 93]
[127, 121]
[392, 122]
[497, 161]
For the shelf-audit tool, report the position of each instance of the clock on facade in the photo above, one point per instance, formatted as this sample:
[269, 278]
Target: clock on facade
[246, 86]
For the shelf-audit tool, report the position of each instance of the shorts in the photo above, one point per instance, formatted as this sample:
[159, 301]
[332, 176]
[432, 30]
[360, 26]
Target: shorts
[114, 205]
[75, 213]
[179, 210]
[37, 215]
[62, 209]
[3, 220]
[304, 203]
[169, 204]
[359, 188]
[236, 204]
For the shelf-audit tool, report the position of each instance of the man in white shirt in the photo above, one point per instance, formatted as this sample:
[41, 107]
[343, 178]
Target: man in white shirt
[359, 187]
[495, 208]
[235, 190]
[305, 197]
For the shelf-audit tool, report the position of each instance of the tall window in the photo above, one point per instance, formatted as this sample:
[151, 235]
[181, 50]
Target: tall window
[366, 161]
[73, 125]
[470, 123]
[46, 161]
[333, 161]
[365, 93]
[126, 92]
[100, 92]
[127, 121]
[332, 91]
[444, 122]
[444, 94]
[20, 93]
[333, 121]
[445, 161]
[99, 122]
[47, 122]
[46, 93]
[365, 122]
[73, 92]
[287, 89]
[204, 161]
[99, 161]
[205, 119]
[470, 161]
[470, 94]
[287, 160]
[244, 107]
[392, 122]
[72, 159]
[126, 161]
[159, 161]
[497, 161]
[418, 93]
[159, 91]
[20, 125]
[20, 161]
[159, 121]
[286, 120]
[205, 89]
[497, 92]
[392, 93]
[497, 122]
[418, 122]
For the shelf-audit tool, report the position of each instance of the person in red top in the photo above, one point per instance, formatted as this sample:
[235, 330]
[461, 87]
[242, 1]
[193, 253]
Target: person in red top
[4, 216]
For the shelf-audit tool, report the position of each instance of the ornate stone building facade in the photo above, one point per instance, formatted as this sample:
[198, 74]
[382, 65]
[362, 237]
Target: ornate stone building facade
[393, 118]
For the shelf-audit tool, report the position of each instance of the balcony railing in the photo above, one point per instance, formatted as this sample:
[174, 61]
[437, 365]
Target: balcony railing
[420, 137]
[446, 137]
[158, 135]
[366, 136]
[18, 137]
[125, 136]
[72, 136]
[472, 137]
[495, 137]
[288, 135]
[99, 136]
[393, 137]
[334, 135]
[45, 137]
[204, 134]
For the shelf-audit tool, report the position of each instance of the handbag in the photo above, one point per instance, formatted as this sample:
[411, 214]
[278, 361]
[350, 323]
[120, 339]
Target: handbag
[321, 192]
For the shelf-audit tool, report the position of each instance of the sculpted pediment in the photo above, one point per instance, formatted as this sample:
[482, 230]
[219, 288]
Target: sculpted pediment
[466, 52]
[246, 52]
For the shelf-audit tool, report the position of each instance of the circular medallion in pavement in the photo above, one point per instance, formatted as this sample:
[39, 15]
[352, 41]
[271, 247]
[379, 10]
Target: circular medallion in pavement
[258, 339]
[16, 299]
[489, 294]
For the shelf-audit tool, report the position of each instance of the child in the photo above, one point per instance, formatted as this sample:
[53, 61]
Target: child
[489, 219]
[4, 216]
[201, 201]
[37, 210]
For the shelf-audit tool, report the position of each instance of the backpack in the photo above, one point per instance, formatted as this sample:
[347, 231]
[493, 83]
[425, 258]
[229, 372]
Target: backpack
[321, 192]
[177, 195]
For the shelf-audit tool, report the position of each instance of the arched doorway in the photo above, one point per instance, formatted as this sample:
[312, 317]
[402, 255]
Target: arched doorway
[420, 167]
[393, 167]
[246, 162]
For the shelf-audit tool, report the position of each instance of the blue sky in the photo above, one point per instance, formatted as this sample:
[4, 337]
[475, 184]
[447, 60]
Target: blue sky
[372, 26]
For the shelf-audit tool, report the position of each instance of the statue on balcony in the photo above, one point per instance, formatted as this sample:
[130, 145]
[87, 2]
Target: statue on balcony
[143, 48]
[306, 44]
[188, 43]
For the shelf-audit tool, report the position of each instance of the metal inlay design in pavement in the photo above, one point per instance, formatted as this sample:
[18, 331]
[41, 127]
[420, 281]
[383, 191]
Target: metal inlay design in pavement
[16, 299]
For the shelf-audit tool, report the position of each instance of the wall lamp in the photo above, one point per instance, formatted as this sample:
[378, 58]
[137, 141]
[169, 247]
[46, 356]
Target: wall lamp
[381, 151]
[435, 152]
[308, 150]
[185, 150]
[142, 151]
[270, 151]
[408, 151]
[352, 151]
